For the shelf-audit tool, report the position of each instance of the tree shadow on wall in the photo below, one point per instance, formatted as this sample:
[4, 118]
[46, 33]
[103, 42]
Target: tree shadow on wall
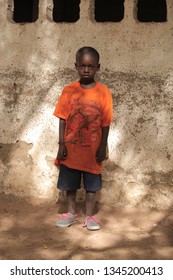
[28, 95]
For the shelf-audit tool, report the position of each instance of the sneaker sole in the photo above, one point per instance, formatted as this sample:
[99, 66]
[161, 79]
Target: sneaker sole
[93, 228]
[64, 226]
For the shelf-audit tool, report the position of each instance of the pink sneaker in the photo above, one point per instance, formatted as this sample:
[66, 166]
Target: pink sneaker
[66, 220]
[91, 223]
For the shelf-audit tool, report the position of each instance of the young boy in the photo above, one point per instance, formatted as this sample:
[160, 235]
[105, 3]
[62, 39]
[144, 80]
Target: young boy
[85, 112]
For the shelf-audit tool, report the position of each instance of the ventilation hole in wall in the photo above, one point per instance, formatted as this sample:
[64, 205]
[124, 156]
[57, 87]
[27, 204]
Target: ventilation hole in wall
[25, 10]
[109, 10]
[66, 10]
[152, 10]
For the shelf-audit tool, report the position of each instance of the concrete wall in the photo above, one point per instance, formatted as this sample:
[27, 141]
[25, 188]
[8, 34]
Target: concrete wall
[37, 60]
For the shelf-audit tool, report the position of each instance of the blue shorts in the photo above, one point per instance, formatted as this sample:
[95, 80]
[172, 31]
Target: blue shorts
[70, 179]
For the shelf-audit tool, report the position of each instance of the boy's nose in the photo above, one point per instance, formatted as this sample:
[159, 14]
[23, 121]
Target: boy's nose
[86, 69]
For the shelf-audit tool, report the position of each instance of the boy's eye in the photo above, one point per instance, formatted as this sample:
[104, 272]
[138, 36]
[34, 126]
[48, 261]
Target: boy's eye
[92, 66]
[87, 66]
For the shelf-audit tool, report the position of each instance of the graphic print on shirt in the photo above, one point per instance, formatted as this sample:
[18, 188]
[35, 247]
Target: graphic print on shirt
[83, 122]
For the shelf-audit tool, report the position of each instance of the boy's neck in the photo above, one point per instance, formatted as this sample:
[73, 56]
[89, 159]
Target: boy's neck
[87, 84]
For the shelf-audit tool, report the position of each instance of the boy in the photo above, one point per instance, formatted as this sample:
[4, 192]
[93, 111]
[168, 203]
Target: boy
[85, 113]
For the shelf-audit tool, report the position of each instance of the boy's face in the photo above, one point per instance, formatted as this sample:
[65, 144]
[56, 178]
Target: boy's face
[87, 66]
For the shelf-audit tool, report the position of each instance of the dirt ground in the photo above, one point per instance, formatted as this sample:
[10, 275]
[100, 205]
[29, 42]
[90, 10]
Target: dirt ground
[27, 232]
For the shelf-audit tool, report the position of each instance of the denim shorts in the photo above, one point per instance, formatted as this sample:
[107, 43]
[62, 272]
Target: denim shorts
[70, 179]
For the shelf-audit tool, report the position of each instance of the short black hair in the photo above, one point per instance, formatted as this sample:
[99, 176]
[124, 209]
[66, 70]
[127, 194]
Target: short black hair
[88, 50]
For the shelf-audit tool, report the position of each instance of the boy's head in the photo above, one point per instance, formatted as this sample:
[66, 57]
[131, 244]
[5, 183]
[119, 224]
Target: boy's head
[87, 64]
[87, 50]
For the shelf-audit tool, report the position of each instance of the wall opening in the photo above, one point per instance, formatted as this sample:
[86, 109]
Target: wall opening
[152, 10]
[66, 10]
[109, 10]
[25, 10]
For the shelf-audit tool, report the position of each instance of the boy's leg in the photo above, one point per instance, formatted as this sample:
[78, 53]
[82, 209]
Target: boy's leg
[92, 183]
[71, 201]
[69, 181]
[90, 203]
[69, 218]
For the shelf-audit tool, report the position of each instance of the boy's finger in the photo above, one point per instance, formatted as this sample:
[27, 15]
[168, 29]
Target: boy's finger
[57, 162]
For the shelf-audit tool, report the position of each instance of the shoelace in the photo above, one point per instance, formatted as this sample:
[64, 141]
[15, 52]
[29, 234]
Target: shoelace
[67, 215]
[90, 219]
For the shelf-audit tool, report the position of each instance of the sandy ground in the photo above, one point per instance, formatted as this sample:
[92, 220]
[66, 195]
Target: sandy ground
[27, 231]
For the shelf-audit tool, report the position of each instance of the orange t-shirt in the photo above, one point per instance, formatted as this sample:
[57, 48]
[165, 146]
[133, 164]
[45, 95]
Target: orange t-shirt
[86, 111]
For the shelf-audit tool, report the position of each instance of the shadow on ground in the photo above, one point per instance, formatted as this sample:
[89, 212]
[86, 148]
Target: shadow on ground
[27, 231]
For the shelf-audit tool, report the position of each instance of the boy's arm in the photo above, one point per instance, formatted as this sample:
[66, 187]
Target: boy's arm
[101, 152]
[62, 152]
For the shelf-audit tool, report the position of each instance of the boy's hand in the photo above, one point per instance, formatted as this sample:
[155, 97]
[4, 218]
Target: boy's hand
[62, 152]
[101, 153]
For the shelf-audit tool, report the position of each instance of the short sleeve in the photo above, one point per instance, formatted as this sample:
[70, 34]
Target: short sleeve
[62, 107]
[107, 109]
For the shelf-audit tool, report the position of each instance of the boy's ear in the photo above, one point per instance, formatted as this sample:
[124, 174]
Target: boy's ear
[98, 66]
[75, 65]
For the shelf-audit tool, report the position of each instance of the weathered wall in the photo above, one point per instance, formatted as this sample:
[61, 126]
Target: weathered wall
[37, 60]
